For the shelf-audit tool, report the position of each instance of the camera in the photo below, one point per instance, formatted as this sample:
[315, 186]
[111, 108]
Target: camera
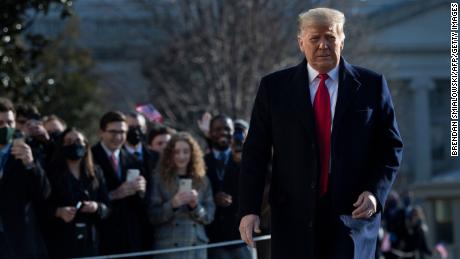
[238, 140]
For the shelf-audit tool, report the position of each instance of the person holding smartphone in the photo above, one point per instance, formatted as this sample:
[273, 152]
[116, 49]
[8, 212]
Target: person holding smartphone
[23, 184]
[78, 200]
[177, 210]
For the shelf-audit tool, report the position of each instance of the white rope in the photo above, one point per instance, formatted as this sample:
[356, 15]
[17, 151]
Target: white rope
[180, 249]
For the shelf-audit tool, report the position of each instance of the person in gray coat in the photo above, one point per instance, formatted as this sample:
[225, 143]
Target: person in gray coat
[181, 201]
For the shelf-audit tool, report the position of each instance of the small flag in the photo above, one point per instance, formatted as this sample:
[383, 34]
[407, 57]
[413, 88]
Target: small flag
[149, 111]
[442, 250]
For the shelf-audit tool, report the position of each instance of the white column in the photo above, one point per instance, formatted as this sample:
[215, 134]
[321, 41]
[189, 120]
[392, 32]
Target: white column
[422, 141]
[456, 222]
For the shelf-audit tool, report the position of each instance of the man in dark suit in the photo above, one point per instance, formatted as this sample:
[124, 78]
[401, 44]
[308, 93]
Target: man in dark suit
[22, 184]
[331, 131]
[223, 172]
[121, 232]
[135, 145]
[147, 160]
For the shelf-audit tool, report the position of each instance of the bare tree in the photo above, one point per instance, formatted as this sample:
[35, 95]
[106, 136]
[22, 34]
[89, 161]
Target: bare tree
[216, 51]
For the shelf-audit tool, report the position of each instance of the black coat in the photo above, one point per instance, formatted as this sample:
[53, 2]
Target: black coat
[366, 151]
[20, 190]
[148, 165]
[121, 232]
[226, 221]
[79, 237]
[149, 162]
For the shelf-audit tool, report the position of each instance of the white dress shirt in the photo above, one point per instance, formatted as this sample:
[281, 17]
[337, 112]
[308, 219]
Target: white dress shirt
[109, 153]
[332, 84]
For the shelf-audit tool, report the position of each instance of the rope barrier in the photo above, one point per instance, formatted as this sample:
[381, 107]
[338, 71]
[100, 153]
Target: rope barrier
[175, 250]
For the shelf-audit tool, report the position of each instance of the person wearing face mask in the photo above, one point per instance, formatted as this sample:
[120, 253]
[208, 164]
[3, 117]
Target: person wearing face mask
[146, 160]
[23, 184]
[136, 147]
[78, 200]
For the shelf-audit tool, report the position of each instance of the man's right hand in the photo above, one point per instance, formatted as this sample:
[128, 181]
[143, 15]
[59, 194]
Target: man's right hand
[204, 123]
[248, 224]
[222, 199]
[181, 198]
[20, 150]
[124, 190]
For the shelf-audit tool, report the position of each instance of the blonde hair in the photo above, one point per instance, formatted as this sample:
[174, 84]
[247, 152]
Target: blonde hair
[195, 169]
[322, 16]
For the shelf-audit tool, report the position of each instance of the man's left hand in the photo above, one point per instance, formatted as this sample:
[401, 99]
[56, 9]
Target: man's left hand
[366, 206]
[89, 207]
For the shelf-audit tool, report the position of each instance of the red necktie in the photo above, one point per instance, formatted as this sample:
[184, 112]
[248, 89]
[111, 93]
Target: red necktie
[322, 109]
[114, 161]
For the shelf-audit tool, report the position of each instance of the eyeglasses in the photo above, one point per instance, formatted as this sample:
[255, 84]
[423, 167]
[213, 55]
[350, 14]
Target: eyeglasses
[116, 132]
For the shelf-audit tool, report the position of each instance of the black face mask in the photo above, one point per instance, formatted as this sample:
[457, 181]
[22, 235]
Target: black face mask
[54, 136]
[134, 135]
[6, 135]
[74, 151]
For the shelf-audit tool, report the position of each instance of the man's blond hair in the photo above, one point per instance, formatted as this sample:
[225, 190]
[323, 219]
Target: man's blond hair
[322, 16]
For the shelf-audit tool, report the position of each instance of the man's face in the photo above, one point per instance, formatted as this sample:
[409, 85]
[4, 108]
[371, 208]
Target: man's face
[322, 45]
[7, 119]
[34, 128]
[54, 126]
[221, 133]
[114, 135]
[159, 142]
[21, 123]
[137, 122]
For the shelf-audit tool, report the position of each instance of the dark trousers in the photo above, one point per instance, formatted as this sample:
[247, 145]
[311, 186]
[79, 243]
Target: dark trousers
[332, 237]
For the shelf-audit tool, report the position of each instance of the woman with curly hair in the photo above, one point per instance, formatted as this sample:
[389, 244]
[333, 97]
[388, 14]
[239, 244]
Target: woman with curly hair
[179, 210]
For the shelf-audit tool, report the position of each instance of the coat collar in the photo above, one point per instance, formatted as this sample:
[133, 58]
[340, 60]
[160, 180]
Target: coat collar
[348, 86]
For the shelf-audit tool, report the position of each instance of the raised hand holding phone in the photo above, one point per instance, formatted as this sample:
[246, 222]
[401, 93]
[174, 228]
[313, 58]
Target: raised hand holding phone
[20, 150]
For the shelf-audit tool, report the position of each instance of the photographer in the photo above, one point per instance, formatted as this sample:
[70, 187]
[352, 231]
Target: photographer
[22, 184]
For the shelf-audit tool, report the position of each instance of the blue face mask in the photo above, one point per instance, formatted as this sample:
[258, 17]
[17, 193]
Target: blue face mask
[6, 135]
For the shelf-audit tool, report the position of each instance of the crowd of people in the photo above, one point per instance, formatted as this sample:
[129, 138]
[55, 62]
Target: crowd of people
[140, 187]
[404, 230]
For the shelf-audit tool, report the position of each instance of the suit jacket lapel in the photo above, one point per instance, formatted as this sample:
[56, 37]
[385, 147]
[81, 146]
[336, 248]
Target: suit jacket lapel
[303, 99]
[106, 164]
[123, 164]
[348, 87]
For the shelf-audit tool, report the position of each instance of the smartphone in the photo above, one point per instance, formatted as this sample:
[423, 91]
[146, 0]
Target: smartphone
[132, 174]
[18, 136]
[185, 185]
[78, 206]
[238, 141]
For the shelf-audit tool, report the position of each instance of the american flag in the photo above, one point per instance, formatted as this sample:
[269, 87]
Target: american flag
[149, 111]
